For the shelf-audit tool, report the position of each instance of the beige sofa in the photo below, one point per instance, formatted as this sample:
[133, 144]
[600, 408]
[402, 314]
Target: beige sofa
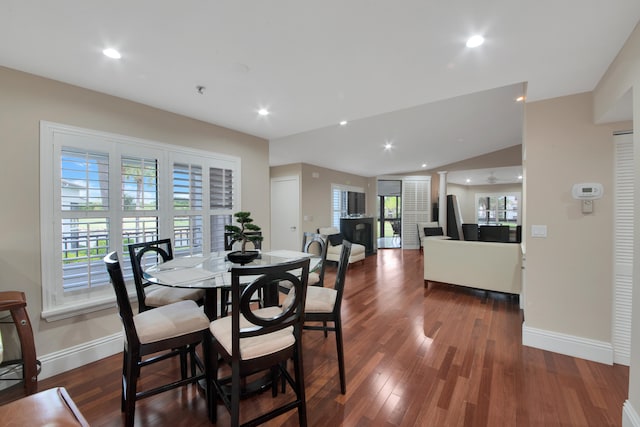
[483, 265]
[333, 252]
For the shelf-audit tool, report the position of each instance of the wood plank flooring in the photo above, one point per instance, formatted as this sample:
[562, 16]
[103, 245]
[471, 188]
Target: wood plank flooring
[415, 356]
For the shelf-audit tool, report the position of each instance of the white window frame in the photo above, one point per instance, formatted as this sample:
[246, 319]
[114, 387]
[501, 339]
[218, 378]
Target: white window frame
[515, 194]
[341, 211]
[57, 304]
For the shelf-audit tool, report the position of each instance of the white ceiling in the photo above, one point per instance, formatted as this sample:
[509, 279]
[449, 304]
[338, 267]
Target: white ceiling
[472, 177]
[398, 71]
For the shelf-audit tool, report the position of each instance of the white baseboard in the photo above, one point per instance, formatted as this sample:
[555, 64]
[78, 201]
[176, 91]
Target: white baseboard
[584, 348]
[630, 417]
[80, 355]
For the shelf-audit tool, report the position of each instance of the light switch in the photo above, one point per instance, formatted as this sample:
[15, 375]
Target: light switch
[538, 231]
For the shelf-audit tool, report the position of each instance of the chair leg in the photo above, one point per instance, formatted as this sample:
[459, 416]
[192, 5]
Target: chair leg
[324, 328]
[133, 371]
[300, 391]
[210, 374]
[192, 359]
[235, 396]
[124, 381]
[343, 381]
[183, 362]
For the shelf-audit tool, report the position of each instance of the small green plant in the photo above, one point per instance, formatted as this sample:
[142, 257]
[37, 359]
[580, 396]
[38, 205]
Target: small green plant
[244, 233]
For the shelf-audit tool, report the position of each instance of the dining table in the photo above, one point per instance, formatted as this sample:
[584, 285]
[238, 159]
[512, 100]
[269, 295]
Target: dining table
[213, 272]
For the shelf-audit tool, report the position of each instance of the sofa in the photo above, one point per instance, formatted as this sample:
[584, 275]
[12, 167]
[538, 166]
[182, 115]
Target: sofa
[489, 266]
[333, 250]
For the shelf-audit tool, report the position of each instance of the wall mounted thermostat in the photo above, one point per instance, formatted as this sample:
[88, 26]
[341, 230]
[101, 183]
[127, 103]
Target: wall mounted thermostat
[587, 191]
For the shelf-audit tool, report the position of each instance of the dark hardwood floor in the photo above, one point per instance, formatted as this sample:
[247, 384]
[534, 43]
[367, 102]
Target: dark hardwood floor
[415, 356]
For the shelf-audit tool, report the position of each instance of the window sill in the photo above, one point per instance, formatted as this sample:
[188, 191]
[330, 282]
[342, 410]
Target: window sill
[77, 308]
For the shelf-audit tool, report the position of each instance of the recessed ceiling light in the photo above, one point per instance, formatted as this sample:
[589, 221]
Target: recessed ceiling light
[520, 99]
[111, 53]
[424, 165]
[388, 146]
[475, 41]
[519, 176]
[343, 123]
[468, 180]
[263, 112]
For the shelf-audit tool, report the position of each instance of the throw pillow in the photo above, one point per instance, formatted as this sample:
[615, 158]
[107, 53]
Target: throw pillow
[336, 239]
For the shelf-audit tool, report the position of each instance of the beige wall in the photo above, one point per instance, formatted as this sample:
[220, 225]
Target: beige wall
[316, 191]
[26, 100]
[624, 75]
[568, 275]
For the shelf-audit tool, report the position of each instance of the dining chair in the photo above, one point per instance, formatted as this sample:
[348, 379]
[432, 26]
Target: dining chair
[323, 304]
[252, 340]
[312, 243]
[167, 331]
[151, 252]
[15, 303]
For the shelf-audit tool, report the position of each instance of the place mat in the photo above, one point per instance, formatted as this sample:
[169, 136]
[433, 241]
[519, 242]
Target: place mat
[183, 262]
[183, 276]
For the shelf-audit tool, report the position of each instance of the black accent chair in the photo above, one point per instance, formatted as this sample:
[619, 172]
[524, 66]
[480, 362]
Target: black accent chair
[253, 340]
[470, 231]
[150, 333]
[152, 252]
[320, 309]
[494, 233]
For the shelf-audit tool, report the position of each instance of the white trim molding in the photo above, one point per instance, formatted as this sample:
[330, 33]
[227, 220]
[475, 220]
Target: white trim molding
[73, 357]
[630, 417]
[584, 348]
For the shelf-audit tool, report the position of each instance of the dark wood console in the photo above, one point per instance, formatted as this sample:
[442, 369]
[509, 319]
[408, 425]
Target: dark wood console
[359, 230]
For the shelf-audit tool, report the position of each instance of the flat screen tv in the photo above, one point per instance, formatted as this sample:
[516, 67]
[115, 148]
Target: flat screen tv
[355, 203]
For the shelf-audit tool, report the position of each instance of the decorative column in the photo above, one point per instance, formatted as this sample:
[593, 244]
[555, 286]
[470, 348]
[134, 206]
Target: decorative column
[442, 202]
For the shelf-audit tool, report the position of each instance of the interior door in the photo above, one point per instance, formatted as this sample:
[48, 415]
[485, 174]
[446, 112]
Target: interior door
[285, 213]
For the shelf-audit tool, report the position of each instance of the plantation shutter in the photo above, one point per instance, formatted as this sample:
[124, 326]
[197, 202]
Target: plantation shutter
[623, 248]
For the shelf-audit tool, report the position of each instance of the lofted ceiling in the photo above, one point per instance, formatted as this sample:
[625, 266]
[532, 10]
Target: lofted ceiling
[398, 72]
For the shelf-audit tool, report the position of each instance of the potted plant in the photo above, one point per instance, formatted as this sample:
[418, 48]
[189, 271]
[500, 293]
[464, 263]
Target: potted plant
[247, 232]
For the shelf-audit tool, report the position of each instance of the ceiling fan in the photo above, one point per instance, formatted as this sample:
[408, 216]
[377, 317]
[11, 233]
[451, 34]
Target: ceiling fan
[492, 179]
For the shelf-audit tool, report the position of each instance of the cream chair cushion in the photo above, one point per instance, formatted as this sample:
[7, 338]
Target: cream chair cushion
[320, 300]
[333, 252]
[164, 295]
[170, 321]
[253, 347]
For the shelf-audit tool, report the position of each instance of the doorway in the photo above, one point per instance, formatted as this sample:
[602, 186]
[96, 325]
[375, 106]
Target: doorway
[390, 214]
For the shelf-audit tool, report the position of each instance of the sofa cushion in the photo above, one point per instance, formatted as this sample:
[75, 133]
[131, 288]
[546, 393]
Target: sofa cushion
[336, 239]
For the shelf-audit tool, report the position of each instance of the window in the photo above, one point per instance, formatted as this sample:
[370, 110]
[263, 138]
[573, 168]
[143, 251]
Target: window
[340, 202]
[498, 209]
[101, 192]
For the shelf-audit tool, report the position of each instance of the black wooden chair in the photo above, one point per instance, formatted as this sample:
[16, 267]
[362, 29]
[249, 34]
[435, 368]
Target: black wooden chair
[323, 305]
[253, 339]
[150, 253]
[316, 244]
[167, 331]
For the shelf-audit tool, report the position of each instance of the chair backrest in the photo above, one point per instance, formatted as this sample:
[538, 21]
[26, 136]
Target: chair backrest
[296, 272]
[230, 245]
[122, 298]
[137, 251]
[341, 274]
[311, 241]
